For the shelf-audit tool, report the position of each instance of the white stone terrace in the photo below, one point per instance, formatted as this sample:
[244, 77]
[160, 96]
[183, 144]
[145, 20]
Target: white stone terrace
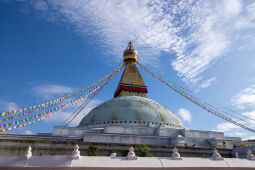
[88, 162]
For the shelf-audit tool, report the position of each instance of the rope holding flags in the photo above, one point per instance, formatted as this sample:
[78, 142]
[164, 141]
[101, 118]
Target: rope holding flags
[51, 102]
[74, 101]
[196, 101]
[90, 99]
[62, 107]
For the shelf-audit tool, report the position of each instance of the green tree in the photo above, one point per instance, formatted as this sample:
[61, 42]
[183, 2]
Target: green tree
[242, 144]
[144, 151]
[92, 150]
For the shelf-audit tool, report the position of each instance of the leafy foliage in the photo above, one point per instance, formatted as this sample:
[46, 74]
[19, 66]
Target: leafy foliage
[92, 150]
[242, 144]
[144, 151]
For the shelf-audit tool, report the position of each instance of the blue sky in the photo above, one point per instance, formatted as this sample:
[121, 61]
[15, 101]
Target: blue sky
[51, 48]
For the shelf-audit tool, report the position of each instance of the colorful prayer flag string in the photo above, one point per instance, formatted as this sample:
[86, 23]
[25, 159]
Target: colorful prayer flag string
[54, 101]
[76, 100]
[67, 104]
[22, 114]
[207, 107]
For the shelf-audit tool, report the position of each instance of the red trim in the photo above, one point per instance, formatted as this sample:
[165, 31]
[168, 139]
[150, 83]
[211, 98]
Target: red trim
[144, 90]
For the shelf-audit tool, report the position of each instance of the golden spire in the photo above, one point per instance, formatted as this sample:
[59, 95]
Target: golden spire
[131, 82]
[130, 54]
[130, 46]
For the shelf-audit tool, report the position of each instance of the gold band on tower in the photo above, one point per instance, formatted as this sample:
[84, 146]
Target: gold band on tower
[130, 54]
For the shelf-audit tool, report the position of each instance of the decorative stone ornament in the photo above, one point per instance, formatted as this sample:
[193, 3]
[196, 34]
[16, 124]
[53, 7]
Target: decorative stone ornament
[76, 153]
[27, 154]
[113, 155]
[250, 156]
[236, 155]
[176, 155]
[131, 154]
[216, 156]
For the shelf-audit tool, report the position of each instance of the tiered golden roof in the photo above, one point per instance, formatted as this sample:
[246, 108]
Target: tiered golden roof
[130, 54]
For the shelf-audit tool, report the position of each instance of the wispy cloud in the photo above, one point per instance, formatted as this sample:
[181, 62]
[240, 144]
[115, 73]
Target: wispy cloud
[28, 132]
[232, 130]
[210, 37]
[7, 106]
[224, 127]
[40, 5]
[245, 98]
[249, 137]
[205, 84]
[197, 32]
[250, 115]
[185, 114]
[50, 90]
[194, 34]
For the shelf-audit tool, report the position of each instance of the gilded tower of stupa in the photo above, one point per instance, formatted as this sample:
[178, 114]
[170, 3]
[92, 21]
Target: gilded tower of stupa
[131, 82]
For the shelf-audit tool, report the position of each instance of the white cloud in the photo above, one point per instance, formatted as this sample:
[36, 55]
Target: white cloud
[250, 117]
[60, 117]
[198, 32]
[250, 137]
[185, 114]
[205, 84]
[224, 127]
[250, 114]
[233, 7]
[244, 135]
[245, 98]
[7, 106]
[237, 134]
[251, 11]
[40, 5]
[28, 132]
[208, 39]
[50, 90]
[230, 129]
